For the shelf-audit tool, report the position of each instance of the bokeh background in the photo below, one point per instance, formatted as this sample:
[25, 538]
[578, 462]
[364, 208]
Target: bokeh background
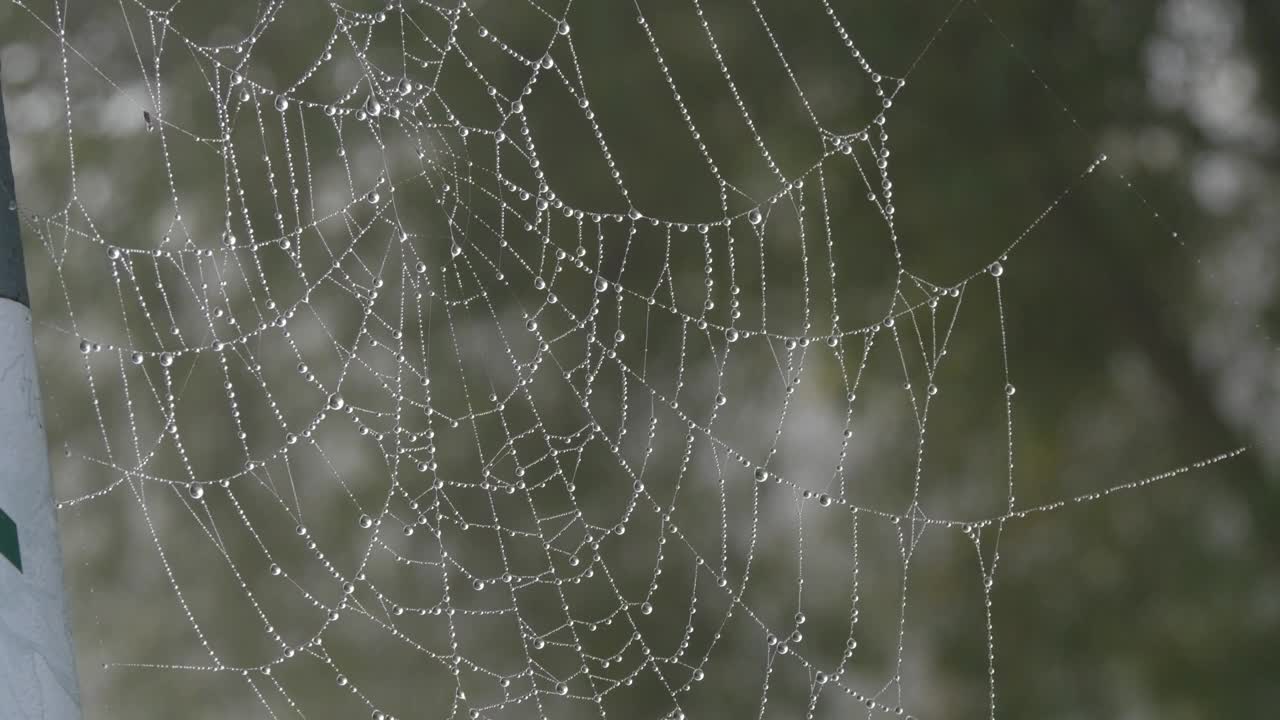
[1140, 313]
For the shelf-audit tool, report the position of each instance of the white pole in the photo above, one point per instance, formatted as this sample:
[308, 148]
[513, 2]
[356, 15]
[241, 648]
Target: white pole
[37, 661]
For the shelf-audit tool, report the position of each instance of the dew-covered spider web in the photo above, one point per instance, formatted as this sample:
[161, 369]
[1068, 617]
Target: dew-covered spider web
[514, 360]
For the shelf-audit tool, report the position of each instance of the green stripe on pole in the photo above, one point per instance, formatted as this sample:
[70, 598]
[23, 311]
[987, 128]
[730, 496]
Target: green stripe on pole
[13, 274]
[9, 540]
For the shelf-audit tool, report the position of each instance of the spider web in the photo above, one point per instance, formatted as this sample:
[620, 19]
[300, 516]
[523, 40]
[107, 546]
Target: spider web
[406, 416]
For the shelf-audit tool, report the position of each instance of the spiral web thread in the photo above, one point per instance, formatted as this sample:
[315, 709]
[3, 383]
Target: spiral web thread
[474, 340]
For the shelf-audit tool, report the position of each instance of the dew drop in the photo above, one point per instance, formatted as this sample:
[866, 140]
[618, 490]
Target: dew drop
[721, 399]
[366, 522]
[478, 584]
[996, 269]
[86, 346]
[196, 491]
[455, 250]
[166, 359]
[1009, 389]
[755, 217]
[761, 475]
[563, 28]
[601, 284]
[282, 103]
[619, 336]
[404, 87]
[646, 609]
[562, 689]
[136, 358]
[336, 402]
[732, 335]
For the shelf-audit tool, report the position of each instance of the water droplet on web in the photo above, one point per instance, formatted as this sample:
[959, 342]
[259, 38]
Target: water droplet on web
[478, 584]
[85, 346]
[996, 269]
[619, 336]
[373, 107]
[404, 87]
[721, 399]
[563, 28]
[531, 325]
[336, 402]
[455, 250]
[136, 358]
[196, 491]
[547, 63]
[166, 359]
[348, 588]
[932, 389]
[601, 284]
[276, 571]
[113, 253]
[755, 217]
[366, 522]
[761, 474]
[1009, 390]
[731, 334]
[282, 103]
[562, 689]
[646, 608]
